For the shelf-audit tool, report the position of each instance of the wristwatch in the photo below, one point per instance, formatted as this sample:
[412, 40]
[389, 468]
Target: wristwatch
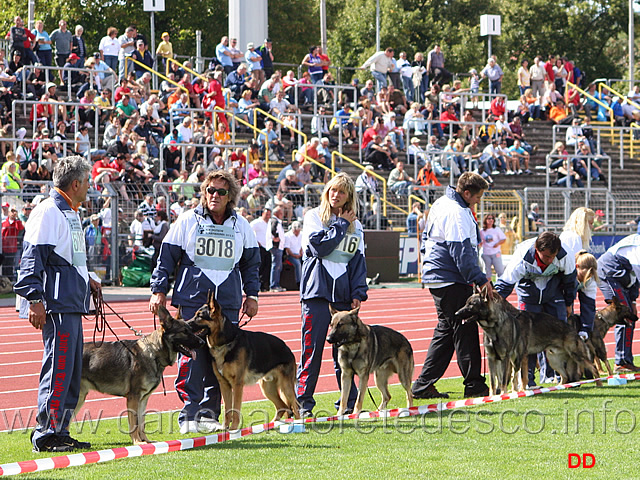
[252, 297]
[37, 300]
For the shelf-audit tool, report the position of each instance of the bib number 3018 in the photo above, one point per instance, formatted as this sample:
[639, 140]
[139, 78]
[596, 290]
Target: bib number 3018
[214, 247]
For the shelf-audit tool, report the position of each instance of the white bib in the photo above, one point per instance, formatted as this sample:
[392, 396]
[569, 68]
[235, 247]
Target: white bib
[215, 247]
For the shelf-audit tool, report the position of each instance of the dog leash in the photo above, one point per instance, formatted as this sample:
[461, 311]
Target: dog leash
[164, 387]
[100, 321]
[245, 322]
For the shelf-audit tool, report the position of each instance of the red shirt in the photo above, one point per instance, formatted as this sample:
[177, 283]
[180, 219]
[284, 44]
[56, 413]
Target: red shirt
[446, 116]
[117, 166]
[102, 163]
[548, 67]
[10, 231]
[497, 107]
[120, 92]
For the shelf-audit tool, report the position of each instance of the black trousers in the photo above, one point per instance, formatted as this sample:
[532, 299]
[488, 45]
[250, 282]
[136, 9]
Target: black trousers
[265, 269]
[449, 336]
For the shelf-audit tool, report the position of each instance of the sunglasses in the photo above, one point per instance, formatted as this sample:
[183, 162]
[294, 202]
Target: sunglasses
[220, 191]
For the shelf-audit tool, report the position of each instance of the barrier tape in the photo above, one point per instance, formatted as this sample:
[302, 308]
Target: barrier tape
[158, 448]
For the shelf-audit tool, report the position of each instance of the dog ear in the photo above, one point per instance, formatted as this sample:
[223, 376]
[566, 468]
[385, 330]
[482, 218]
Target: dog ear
[179, 315]
[355, 311]
[165, 318]
[332, 310]
[615, 301]
[476, 290]
[483, 292]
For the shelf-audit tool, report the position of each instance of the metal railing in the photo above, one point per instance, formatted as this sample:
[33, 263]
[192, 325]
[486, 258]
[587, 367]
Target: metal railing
[597, 129]
[570, 171]
[151, 71]
[300, 133]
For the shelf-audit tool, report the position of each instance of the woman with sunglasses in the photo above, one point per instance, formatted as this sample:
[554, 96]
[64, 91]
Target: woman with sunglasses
[333, 272]
[216, 251]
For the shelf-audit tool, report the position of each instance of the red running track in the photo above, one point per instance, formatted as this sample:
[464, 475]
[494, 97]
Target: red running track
[408, 310]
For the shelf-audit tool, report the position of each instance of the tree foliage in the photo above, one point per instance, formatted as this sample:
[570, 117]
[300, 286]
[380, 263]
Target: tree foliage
[590, 32]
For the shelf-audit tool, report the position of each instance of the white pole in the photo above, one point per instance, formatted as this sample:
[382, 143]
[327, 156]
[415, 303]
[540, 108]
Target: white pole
[323, 25]
[631, 45]
[153, 49]
[378, 25]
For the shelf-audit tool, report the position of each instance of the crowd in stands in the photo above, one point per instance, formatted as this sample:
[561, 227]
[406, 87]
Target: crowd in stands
[408, 113]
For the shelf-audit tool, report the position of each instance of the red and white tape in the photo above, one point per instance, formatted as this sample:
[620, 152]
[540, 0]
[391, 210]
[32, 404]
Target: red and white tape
[158, 448]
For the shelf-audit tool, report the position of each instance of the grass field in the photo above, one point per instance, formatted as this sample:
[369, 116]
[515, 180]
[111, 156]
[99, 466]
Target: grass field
[524, 438]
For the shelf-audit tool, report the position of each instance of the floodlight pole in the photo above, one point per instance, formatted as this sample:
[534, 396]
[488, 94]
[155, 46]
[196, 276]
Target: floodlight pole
[378, 25]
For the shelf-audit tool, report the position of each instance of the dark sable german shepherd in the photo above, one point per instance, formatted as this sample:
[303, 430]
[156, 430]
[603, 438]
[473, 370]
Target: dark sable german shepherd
[363, 349]
[615, 313]
[133, 368]
[241, 357]
[512, 334]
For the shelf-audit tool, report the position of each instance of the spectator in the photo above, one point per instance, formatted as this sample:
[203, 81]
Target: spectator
[127, 46]
[260, 227]
[492, 237]
[224, 55]
[143, 57]
[236, 81]
[435, 67]
[266, 52]
[534, 219]
[275, 246]
[269, 136]
[254, 60]
[314, 62]
[78, 46]
[524, 76]
[110, 48]
[537, 75]
[293, 249]
[62, 40]
[412, 219]
[494, 73]
[378, 155]
[399, 181]
[20, 40]
[236, 55]
[43, 42]
[406, 74]
[520, 158]
[12, 229]
[380, 65]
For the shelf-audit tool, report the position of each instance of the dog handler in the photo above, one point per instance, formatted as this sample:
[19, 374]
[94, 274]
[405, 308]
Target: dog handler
[544, 276]
[216, 251]
[618, 269]
[449, 268]
[333, 272]
[54, 279]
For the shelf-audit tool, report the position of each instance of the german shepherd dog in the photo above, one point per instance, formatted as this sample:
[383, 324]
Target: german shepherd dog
[241, 357]
[363, 349]
[512, 334]
[615, 313]
[133, 368]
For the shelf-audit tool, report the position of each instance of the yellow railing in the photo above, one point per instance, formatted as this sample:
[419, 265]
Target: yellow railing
[417, 199]
[278, 121]
[597, 100]
[604, 86]
[315, 162]
[379, 177]
[255, 130]
[181, 65]
[150, 70]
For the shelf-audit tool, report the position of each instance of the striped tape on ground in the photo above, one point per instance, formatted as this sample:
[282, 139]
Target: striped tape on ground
[158, 448]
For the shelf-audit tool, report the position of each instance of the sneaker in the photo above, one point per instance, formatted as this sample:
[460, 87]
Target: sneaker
[189, 427]
[54, 443]
[420, 132]
[483, 392]
[495, 172]
[208, 425]
[430, 392]
[278, 289]
[534, 150]
[306, 414]
[528, 172]
[519, 172]
[510, 172]
[626, 368]
[77, 444]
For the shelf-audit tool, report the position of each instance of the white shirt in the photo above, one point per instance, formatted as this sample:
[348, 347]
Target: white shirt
[109, 46]
[137, 232]
[185, 133]
[293, 242]
[259, 227]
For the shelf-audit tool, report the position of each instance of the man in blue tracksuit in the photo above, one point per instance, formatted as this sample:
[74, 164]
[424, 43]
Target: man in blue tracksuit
[545, 280]
[450, 268]
[216, 251]
[618, 269]
[54, 279]
[334, 272]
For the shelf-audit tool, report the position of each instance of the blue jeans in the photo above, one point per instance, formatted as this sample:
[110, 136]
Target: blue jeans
[495, 86]
[407, 86]
[297, 267]
[276, 267]
[381, 78]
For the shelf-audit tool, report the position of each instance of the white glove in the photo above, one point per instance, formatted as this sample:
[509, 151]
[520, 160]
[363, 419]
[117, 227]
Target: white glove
[583, 335]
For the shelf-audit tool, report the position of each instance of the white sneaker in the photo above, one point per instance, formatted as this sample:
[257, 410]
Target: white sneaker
[189, 427]
[208, 425]
[509, 172]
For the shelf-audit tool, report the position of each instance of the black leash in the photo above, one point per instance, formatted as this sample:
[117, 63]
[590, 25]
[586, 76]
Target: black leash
[164, 388]
[245, 322]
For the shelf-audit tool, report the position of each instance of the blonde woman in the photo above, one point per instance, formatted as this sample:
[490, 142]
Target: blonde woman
[587, 275]
[334, 273]
[576, 233]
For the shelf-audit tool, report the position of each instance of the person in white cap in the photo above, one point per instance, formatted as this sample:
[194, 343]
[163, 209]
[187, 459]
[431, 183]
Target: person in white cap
[254, 60]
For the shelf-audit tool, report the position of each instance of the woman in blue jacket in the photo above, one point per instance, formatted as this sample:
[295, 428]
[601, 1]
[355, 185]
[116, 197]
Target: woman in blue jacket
[333, 272]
